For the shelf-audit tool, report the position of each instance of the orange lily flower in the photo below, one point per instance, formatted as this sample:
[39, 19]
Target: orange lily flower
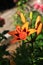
[20, 34]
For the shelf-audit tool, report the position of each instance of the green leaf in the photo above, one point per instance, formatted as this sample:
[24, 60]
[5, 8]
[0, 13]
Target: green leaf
[42, 19]
[41, 58]
[39, 37]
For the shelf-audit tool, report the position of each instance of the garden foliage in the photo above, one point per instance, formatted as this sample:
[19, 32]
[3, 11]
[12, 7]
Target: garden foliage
[31, 50]
[29, 31]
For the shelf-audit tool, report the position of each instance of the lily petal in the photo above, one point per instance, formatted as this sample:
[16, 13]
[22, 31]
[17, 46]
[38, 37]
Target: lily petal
[18, 29]
[25, 26]
[14, 40]
[31, 31]
[12, 33]
[39, 28]
[38, 20]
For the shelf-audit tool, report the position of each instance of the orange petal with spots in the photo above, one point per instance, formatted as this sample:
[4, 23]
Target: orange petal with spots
[25, 26]
[18, 29]
[31, 31]
[12, 33]
[39, 28]
[14, 40]
[38, 20]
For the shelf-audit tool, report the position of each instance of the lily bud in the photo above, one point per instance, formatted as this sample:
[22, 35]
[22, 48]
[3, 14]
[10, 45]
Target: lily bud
[39, 28]
[37, 21]
[31, 15]
[22, 18]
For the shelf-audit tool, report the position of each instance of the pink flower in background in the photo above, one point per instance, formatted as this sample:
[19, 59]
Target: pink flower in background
[41, 8]
[36, 6]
